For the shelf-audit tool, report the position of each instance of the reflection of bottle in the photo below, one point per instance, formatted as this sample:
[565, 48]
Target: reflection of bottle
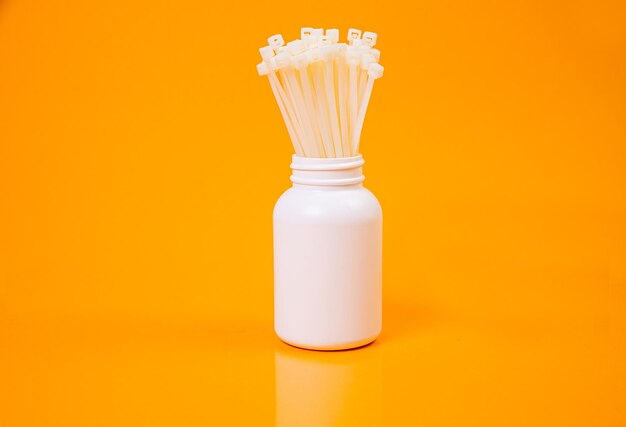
[328, 389]
[327, 256]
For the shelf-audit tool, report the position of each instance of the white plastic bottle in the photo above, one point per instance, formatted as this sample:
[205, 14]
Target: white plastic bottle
[327, 257]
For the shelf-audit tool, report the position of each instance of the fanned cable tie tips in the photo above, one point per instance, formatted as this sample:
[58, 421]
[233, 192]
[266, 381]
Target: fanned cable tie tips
[322, 87]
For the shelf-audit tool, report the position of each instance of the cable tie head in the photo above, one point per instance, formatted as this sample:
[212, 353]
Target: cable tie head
[369, 38]
[262, 69]
[311, 36]
[306, 32]
[353, 34]
[376, 54]
[375, 70]
[266, 52]
[276, 41]
[333, 35]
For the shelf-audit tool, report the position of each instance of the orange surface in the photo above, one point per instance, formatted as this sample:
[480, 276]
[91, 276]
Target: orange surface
[141, 156]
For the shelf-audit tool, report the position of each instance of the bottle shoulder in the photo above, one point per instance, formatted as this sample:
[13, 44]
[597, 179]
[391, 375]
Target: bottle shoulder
[350, 204]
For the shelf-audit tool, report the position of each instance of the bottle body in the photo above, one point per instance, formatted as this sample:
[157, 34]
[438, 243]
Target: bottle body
[327, 257]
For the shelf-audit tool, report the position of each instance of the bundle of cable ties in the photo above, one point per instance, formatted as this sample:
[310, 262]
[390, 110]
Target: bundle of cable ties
[322, 88]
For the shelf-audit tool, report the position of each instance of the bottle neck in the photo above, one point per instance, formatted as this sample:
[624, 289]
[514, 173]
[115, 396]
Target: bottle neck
[327, 173]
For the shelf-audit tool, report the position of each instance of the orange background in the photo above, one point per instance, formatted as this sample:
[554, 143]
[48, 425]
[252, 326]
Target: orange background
[140, 159]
